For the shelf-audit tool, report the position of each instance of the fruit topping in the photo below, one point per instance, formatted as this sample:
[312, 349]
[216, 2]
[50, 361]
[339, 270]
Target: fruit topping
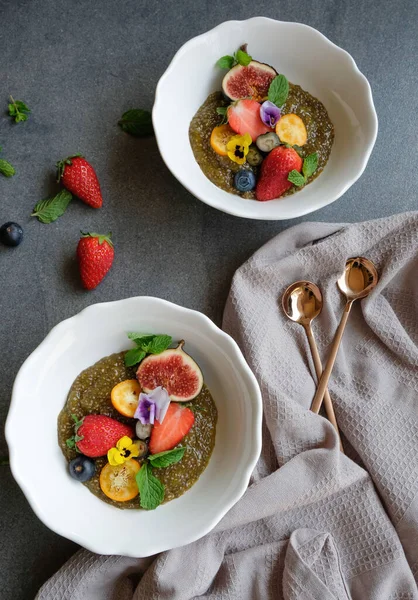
[96, 434]
[79, 177]
[248, 81]
[244, 180]
[152, 406]
[254, 156]
[82, 468]
[275, 169]
[95, 256]
[143, 431]
[291, 130]
[269, 113]
[118, 482]
[177, 423]
[124, 397]
[220, 137]
[125, 450]
[238, 147]
[174, 370]
[268, 141]
[244, 117]
[142, 448]
[11, 234]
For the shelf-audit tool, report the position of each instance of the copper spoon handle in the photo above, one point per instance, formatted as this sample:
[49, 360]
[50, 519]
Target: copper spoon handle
[318, 370]
[323, 382]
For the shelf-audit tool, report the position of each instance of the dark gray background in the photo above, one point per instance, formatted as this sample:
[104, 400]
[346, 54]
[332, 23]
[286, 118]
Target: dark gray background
[79, 65]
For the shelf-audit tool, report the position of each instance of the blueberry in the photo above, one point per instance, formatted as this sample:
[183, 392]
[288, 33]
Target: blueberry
[254, 156]
[267, 141]
[244, 180]
[11, 234]
[82, 468]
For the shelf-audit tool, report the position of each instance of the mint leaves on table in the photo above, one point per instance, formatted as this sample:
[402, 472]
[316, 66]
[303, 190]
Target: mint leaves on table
[169, 457]
[151, 490]
[137, 122]
[239, 58]
[146, 344]
[278, 90]
[310, 165]
[6, 168]
[18, 110]
[48, 211]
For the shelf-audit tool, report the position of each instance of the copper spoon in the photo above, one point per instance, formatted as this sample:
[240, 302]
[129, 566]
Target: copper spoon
[302, 302]
[357, 281]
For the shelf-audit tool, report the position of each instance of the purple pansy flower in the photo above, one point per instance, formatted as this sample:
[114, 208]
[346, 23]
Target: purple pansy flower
[152, 406]
[269, 113]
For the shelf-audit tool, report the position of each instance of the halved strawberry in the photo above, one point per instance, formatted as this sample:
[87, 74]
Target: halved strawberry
[244, 117]
[177, 423]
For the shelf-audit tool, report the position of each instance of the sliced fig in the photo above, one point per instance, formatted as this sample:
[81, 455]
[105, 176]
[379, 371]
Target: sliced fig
[252, 81]
[174, 370]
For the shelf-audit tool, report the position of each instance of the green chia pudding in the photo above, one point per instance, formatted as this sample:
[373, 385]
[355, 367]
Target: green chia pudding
[242, 88]
[90, 394]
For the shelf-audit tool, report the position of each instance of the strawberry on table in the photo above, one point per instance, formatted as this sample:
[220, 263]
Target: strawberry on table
[95, 255]
[177, 423]
[275, 169]
[79, 177]
[96, 434]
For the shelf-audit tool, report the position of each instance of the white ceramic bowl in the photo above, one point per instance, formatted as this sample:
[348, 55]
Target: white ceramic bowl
[40, 391]
[307, 58]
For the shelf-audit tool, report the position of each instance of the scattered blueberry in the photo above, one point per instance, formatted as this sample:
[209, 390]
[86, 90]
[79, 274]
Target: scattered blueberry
[254, 156]
[11, 234]
[244, 180]
[267, 141]
[82, 468]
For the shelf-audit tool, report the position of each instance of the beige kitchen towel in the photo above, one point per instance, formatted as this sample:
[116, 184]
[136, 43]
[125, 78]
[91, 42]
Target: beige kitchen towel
[314, 524]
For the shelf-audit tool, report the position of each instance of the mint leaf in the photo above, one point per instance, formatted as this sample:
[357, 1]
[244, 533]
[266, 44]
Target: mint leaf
[137, 122]
[48, 211]
[140, 339]
[226, 62]
[6, 168]
[278, 90]
[134, 356]
[243, 58]
[310, 165]
[151, 490]
[159, 344]
[18, 110]
[296, 178]
[169, 457]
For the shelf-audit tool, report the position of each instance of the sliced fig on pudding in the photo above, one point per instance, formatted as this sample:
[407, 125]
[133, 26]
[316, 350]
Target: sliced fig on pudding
[174, 370]
[252, 81]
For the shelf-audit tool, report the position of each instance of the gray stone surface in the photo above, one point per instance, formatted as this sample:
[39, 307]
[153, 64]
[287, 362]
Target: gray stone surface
[79, 65]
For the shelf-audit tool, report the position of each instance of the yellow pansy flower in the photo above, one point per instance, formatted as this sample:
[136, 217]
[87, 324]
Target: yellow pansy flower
[125, 450]
[238, 147]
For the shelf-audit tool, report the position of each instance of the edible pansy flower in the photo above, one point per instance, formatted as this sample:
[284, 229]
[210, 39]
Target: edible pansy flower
[238, 146]
[125, 450]
[152, 406]
[269, 113]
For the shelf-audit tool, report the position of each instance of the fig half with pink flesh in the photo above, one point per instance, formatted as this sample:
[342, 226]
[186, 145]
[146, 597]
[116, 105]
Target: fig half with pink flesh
[174, 370]
[252, 81]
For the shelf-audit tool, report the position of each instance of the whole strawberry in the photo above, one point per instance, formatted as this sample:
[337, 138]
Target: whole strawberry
[79, 177]
[275, 168]
[95, 255]
[96, 434]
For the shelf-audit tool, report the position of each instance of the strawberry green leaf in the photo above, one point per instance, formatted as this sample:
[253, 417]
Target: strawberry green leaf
[6, 168]
[100, 236]
[225, 62]
[296, 178]
[310, 165]
[159, 344]
[137, 122]
[169, 457]
[278, 90]
[243, 58]
[134, 356]
[70, 442]
[49, 210]
[151, 490]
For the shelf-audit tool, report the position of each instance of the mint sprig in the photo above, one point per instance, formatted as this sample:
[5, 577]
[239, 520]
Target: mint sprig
[310, 165]
[226, 62]
[151, 490]
[137, 122]
[239, 58]
[278, 90]
[146, 344]
[169, 457]
[18, 110]
[49, 210]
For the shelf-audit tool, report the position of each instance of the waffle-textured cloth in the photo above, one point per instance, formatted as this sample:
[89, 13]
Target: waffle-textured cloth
[314, 524]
